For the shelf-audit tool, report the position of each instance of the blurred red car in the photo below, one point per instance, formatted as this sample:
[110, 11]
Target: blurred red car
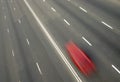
[81, 60]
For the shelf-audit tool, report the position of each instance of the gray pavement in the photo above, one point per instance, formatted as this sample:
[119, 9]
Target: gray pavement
[33, 34]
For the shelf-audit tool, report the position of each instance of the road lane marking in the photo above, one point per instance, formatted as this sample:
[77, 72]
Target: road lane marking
[28, 41]
[54, 43]
[53, 9]
[8, 30]
[13, 53]
[43, 0]
[68, 0]
[19, 21]
[86, 41]
[66, 22]
[83, 9]
[5, 17]
[116, 69]
[106, 25]
[14, 9]
[39, 68]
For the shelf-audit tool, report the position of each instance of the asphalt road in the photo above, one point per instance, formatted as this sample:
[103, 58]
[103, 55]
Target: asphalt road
[33, 34]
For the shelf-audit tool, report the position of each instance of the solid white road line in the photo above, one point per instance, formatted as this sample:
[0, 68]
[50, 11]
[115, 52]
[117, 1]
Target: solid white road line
[66, 22]
[107, 25]
[83, 9]
[116, 69]
[53, 43]
[86, 41]
[39, 68]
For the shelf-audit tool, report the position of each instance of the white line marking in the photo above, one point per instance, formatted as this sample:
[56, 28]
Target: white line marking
[39, 68]
[43, 0]
[106, 25]
[5, 17]
[13, 53]
[83, 9]
[14, 9]
[19, 21]
[54, 44]
[86, 41]
[66, 22]
[53, 9]
[68, 0]
[8, 30]
[28, 41]
[116, 69]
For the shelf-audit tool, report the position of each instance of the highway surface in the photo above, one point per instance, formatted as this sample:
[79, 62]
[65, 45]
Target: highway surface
[33, 34]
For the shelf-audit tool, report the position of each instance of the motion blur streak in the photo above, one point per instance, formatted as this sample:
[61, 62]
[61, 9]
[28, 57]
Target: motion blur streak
[34, 34]
[54, 44]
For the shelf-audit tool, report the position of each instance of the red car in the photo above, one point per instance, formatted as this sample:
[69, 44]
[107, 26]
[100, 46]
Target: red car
[81, 60]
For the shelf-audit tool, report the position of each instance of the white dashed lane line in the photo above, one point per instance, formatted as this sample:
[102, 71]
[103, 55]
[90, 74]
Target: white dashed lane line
[83, 9]
[53, 9]
[66, 22]
[107, 25]
[28, 41]
[5, 17]
[53, 42]
[38, 68]
[8, 30]
[19, 21]
[43, 0]
[13, 53]
[86, 41]
[116, 69]
[14, 9]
